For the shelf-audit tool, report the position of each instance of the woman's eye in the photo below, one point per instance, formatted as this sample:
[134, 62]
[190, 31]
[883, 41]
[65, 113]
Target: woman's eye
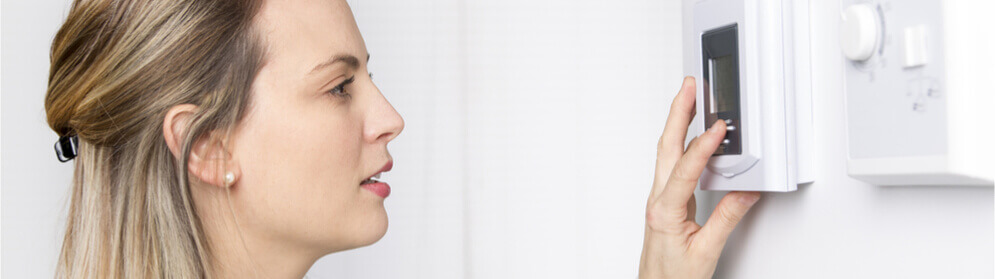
[339, 90]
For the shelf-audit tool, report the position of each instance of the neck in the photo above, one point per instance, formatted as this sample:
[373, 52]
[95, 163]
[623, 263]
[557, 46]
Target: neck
[240, 253]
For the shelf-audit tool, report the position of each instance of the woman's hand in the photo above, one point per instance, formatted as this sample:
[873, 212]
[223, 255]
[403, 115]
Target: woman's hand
[674, 246]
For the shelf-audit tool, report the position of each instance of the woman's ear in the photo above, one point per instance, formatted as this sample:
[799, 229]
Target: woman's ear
[210, 160]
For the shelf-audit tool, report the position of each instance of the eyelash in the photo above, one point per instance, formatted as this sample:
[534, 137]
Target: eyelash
[339, 90]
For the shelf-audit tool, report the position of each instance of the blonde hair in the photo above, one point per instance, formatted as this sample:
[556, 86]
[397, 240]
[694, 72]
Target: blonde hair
[117, 67]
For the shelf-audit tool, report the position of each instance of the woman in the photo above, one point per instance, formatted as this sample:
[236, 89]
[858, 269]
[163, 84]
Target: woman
[242, 139]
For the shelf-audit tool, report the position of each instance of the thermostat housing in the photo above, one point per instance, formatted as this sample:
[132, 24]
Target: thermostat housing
[751, 63]
[919, 92]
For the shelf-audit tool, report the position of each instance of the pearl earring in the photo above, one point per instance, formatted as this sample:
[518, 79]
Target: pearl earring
[229, 178]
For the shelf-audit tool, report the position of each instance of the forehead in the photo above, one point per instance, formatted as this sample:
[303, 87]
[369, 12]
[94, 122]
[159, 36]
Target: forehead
[299, 33]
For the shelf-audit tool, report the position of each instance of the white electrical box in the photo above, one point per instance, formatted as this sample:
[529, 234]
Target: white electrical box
[751, 63]
[919, 87]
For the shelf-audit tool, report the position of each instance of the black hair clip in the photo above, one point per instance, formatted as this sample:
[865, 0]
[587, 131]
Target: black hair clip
[67, 148]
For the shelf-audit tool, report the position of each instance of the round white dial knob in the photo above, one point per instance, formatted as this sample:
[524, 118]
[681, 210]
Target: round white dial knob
[860, 31]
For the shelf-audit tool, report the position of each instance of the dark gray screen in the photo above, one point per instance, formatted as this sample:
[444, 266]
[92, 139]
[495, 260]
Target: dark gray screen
[722, 94]
[724, 85]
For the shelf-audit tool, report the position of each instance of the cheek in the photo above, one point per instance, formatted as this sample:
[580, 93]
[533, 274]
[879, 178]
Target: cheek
[300, 175]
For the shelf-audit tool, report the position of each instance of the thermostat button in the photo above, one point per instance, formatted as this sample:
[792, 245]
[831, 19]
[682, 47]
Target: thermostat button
[915, 46]
[859, 32]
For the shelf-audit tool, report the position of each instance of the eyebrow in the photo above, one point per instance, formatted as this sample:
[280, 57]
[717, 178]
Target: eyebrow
[350, 60]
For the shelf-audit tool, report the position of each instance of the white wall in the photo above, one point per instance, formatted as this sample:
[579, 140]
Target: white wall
[529, 150]
[33, 184]
[566, 102]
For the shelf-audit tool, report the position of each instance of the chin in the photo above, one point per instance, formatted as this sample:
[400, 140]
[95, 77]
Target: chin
[372, 229]
[375, 230]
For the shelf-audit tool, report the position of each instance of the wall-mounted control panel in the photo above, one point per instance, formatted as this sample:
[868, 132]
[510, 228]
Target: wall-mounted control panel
[918, 91]
[751, 63]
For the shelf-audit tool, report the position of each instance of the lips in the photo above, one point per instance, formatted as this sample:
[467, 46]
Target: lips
[372, 183]
[379, 188]
[372, 178]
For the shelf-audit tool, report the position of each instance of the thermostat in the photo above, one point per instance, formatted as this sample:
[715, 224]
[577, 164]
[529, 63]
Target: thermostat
[918, 92]
[750, 60]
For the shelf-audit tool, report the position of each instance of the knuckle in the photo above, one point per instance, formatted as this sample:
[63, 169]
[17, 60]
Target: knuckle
[665, 150]
[676, 101]
[668, 153]
[683, 174]
[694, 142]
[661, 143]
[654, 220]
[661, 219]
[703, 141]
[703, 146]
[727, 218]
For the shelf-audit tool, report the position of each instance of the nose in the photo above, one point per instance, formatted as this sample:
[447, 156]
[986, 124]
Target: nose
[383, 123]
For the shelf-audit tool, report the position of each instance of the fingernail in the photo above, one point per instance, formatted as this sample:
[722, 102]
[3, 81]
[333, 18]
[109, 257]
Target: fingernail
[749, 199]
[688, 81]
[714, 127]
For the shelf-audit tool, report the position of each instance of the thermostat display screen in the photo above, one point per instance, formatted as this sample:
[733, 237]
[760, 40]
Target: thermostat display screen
[720, 65]
[724, 97]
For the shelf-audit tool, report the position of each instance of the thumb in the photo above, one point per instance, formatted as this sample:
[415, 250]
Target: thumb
[724, 219]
